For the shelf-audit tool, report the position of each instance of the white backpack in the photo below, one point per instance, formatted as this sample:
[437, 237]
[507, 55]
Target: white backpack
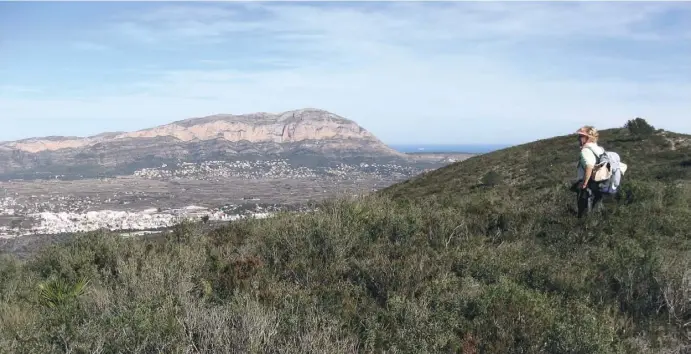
[608, 171]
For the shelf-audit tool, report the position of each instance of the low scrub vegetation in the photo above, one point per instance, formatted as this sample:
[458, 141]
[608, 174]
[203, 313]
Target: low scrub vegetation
[371, 275]
[457, 269]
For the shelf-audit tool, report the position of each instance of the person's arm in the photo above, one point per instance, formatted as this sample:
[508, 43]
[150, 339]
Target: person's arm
[588, 173]
[588, 160]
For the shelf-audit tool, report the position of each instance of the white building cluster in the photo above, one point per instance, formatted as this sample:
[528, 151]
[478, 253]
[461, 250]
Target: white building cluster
[8, 205]
[238, 169]
[275, 169]
[67, 222]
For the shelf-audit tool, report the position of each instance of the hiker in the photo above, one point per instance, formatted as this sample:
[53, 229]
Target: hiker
[599, 171]
[589, 193]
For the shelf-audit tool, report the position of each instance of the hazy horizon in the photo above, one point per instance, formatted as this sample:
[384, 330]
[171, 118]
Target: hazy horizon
[455, 148]
[450, 72]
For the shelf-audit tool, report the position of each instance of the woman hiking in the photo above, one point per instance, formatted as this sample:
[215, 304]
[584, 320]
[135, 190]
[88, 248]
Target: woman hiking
[589, 194]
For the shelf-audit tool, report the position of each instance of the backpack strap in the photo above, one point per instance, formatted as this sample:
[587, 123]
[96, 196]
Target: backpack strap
[597, 157]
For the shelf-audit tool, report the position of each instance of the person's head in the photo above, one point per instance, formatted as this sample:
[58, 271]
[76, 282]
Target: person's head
[587, 134]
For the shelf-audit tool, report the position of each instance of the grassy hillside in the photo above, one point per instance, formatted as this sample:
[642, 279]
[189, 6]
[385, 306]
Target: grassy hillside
[549, 163]
[437, 264]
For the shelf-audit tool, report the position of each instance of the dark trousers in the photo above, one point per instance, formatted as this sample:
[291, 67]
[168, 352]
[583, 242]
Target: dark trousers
[588, 199]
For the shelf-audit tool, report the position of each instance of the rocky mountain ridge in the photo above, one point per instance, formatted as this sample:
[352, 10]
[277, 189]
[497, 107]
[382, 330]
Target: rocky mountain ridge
[302, 132]
[286, 127]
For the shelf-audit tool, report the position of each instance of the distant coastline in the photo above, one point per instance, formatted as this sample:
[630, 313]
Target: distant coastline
[456, 148]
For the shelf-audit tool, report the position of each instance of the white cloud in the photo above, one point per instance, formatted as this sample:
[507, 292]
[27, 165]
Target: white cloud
[427, 21]
[444, 72]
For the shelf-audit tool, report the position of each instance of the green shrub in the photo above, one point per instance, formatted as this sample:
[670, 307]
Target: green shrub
[491, 179]
[639, 127]
[58, 292]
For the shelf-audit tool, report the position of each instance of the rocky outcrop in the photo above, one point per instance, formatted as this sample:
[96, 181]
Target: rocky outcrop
[305, 131]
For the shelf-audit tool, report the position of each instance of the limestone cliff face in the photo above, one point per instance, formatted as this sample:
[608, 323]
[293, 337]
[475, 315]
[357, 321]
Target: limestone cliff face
[305, 130]
[288, 127]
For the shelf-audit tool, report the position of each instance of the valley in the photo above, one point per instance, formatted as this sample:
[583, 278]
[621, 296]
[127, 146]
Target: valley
[156, 198]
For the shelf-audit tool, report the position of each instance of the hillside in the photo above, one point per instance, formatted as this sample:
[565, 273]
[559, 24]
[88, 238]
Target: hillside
[665, 156]
[438, 264]
[219, 137]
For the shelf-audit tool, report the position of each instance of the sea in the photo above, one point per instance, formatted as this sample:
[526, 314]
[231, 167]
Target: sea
[458, 148]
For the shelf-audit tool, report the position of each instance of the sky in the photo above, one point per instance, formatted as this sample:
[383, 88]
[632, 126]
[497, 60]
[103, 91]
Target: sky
[409, 72]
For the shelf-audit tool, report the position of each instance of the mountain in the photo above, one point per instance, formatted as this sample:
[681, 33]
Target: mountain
[223, 136]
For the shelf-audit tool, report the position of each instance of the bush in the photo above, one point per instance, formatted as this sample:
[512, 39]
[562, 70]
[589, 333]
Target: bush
[491, 179]
[639, 127]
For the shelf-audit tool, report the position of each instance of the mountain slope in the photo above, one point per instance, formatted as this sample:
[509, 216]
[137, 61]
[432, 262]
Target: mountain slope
[445, 266]
[551, 163]
[304, 131]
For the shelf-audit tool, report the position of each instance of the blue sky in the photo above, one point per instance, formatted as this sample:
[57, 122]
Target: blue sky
[410, 72]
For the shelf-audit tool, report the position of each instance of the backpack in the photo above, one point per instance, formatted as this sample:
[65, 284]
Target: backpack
[608, 171]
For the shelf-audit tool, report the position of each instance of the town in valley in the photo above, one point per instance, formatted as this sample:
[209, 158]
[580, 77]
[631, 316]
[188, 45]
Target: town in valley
[156, 198]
